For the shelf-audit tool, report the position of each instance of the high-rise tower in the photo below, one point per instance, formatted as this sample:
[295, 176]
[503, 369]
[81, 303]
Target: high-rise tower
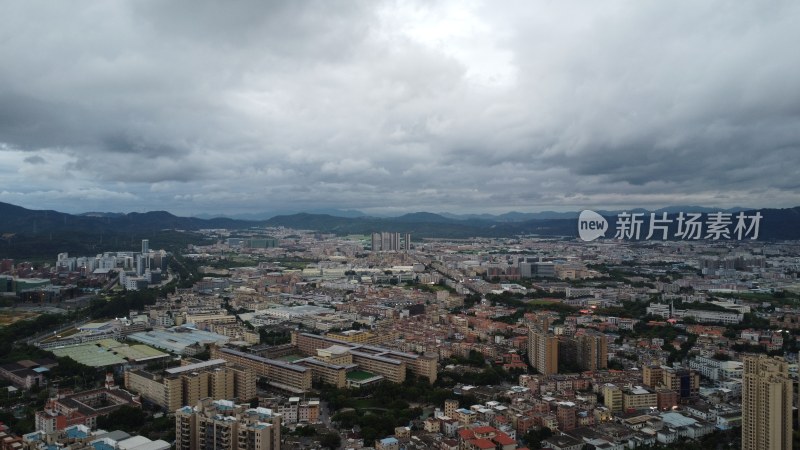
[766, 404]
[543, 350]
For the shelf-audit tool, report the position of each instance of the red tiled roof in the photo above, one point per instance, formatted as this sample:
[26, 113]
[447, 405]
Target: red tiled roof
[466, 434]
[503, 439]
[482, 443]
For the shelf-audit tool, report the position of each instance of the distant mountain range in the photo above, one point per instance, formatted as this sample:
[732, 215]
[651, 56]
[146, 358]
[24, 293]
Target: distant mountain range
[776, 223]
[16, 219]
[268, 215]
[513, 216]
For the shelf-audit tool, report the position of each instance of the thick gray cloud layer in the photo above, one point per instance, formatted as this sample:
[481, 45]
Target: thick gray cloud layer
[201, 106]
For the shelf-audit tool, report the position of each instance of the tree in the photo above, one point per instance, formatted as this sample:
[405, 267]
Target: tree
[369, 435]
[346, 419]
[304, 431]
[330, 440]
[534, 437]
[471, 300]
[476, 359]
[613, 364]
[729, 333]
[721, 357]
[126, 418]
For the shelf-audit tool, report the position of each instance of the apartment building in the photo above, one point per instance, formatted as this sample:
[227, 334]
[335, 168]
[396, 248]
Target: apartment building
[355, 336]
[321, 370]
[186, 385]
[392, 369]
[224, 425]
[389, 363]
[294, 410]
[638, 397]
[543, 351]
[612, 397]
[766, 404]
[685, 382]
[652, 375]
[591, 350]
[282, 375]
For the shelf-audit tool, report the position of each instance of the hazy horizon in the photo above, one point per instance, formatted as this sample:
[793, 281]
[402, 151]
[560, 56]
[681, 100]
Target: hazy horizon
[355, 212]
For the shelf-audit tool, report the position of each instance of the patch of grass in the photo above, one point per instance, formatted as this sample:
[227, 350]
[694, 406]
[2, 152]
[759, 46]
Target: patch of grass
[9, 317]
[359, 375]
[362, 403]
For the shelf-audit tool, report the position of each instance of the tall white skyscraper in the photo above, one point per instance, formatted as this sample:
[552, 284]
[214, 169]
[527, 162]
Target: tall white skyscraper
[390, 242]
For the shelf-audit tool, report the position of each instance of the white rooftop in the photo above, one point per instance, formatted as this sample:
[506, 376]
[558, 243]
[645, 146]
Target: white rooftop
[676, 420]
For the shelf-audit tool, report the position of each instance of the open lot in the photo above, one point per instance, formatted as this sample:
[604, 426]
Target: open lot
[8, 317]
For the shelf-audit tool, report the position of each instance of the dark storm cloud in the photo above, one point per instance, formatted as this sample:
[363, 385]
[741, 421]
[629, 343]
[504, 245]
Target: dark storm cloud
[29, 122]
[121, 143]
[303, 30]
[36, 159]
[199, 106]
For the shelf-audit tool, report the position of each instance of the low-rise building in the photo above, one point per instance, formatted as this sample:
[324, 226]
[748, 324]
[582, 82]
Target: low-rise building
[81, 437]
[294, 410]
[83, 408]
[282, 375]
[26, 374]
[638, 397]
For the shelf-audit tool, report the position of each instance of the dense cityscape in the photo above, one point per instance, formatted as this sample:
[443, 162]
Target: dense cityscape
[283, 337]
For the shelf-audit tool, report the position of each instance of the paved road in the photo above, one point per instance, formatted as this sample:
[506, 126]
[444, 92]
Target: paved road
[324, 413]
[32, 340]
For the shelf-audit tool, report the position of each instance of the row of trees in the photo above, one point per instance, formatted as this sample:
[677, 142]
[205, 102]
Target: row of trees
[377, 410]
[138, 421]
[327, 439]
[529, 302]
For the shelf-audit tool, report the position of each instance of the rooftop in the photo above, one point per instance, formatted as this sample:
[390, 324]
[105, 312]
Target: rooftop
[91, 354]
[177, 339]
[359, 375]
[196, 366]
[677, 420]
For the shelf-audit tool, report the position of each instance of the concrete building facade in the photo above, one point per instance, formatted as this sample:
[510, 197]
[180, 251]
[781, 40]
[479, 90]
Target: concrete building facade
[766, 404]
[224, 425]
[282, 375]
[186, 385]
[543, 351]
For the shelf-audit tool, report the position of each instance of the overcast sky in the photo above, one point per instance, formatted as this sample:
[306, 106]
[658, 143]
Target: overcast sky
[390, 107]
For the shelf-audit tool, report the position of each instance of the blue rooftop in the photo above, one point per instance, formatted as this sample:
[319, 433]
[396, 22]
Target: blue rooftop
[75, 433]
[34, 436]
